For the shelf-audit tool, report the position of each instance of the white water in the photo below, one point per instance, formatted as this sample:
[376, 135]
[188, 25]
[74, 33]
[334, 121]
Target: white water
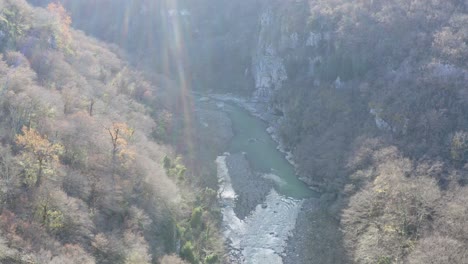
[261, 237]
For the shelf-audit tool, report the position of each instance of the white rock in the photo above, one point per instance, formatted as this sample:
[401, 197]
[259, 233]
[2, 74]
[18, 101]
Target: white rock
[313, 39]
[379, 122]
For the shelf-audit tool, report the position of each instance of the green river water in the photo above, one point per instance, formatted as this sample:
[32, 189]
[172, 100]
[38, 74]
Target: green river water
[250, 136]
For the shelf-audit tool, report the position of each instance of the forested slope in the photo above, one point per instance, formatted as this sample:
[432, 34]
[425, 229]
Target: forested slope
[376, 107]
[82, 179]
[371, 97]
[383, 117]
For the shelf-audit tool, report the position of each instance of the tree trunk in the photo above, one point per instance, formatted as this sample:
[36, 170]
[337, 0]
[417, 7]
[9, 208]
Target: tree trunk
[39, 174]
[91, 104]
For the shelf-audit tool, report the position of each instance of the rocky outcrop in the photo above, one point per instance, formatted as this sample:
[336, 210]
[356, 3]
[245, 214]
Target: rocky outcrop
[279, 41]
[268, 67]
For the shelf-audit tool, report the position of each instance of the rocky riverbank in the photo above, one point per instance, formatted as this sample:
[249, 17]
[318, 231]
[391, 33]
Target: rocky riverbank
[262, 236]
[301, 231]
[263, 112]
[316, 238]
[251, 188]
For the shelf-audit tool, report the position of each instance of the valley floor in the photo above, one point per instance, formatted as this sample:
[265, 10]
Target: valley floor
[251, 223]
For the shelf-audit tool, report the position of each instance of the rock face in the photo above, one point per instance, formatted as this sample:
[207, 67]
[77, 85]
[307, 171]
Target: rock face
[251, 47]
[278, 39]
[267, 66]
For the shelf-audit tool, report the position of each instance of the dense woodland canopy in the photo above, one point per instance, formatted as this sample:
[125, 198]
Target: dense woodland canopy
[381, 123]
[392, 79]
[82, 177]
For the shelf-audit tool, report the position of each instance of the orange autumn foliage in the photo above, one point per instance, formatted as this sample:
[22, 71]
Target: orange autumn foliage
[43, 151]
[38, 145]
[120, 133]
[64, 33]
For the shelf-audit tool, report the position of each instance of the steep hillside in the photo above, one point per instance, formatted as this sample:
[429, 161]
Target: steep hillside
[372, 99]
[82, 177]
[370, 96]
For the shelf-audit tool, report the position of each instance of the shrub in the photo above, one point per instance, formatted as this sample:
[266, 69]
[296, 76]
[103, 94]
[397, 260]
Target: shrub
[196, 219]
[187, 253]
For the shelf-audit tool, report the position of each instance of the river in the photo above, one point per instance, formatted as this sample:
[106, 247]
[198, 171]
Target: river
[251, 137]
[261, 237]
